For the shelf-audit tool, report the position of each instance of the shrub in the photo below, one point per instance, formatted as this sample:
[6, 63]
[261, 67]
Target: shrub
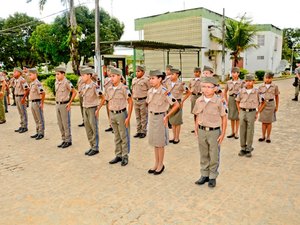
[50, 81]
[243, 72]
[260, 74]
[44, 76]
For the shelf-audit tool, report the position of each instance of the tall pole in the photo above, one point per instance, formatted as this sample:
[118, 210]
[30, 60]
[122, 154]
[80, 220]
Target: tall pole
[291, 68]
[223, 46]
[98, 69]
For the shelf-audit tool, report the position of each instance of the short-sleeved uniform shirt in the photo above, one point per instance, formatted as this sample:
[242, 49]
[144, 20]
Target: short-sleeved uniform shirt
[248, 101]
[90, 94]
[62, 90]
[140, 87]
[20, 85]
[234, 87]
[268, 92]
[176, 88]
[117, 97]
[209, 114]
[195, 85]
[80, 85]
[36, 89]
[159, 100]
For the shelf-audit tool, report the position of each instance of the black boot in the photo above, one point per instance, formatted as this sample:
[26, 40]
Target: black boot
[296, 98]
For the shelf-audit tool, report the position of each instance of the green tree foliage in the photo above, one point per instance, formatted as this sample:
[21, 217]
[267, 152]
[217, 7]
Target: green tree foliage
[50, 81]
[15, 32]
[291, 38]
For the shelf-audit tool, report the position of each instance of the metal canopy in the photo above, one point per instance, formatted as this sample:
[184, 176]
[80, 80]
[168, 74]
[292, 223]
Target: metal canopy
[154, 45]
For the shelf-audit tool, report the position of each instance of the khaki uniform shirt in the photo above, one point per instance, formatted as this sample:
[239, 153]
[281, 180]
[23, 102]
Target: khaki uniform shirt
[159, 100]
[62, 90]
[80, 85]
[90, 94]
[248, 101]
[176, 90]
[210, 113]
[234, 87]
[195, 85]
[167, 78]
[36, 89]
[107, 83]
[117, 97]
[20, 86]
[140, 87]
[268, 93]
[26, 77]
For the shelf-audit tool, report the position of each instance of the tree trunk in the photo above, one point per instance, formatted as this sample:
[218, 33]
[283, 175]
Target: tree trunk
[73, 39]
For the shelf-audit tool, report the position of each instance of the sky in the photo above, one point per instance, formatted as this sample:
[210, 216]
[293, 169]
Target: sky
[282, 14]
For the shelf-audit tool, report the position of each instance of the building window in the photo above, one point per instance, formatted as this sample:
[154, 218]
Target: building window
[260, 57]
[261, 40]
[276, 44]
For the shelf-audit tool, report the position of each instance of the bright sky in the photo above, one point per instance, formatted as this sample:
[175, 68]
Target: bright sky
[282, 14]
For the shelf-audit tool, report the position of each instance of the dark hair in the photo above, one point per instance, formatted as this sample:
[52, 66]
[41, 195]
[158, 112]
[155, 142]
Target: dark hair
[163, 76]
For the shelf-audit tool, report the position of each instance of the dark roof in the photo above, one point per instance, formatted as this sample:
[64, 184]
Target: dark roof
[153, 45]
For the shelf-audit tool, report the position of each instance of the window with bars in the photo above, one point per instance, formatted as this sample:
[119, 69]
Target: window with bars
[261, 40]
[260, 57]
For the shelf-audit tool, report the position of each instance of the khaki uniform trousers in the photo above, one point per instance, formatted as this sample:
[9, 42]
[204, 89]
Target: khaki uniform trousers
[64, 122]
[38, 116]
[122, 135]
[209, 152]
[91, 127]
[297, 89]
[2, 108]
[247, 120]
[22, 111]
[81, 105]
[141, 113]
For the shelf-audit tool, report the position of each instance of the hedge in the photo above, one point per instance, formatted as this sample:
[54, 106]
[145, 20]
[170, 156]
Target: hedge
[50, 81]
[243, 72]
[260, 74]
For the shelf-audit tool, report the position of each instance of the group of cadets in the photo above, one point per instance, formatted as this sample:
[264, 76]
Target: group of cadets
[158, 99]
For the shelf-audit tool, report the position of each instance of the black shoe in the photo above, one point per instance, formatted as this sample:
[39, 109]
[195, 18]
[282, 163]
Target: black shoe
[212, 183]
[88, 151]
[192, 131]
[40, 136]
[23, 130]
[268, 141]
[18, 130]
[109, 129]
[2, 121]
[151, 171]
[295, 99]
[63, 143]
[230, 136]
[137, 135]
[142, 135]
[159, 172]
[124, 161]
[242, 153]
[248, 154]
[93, 152]
[171, 141]
[6, 111]
[115, 160]
[34, 136]
[202, 180]
[261, 139]
[66, 144]
[176, 142]
[81, 125]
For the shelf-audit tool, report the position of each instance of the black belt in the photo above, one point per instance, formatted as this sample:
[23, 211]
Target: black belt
[233, 95]
[208, 128]
[248, 110]
[118, 111]
[157, 113]
[60, 103]
[138, 99]
[197, 94]
[36, 100]
[19, 95]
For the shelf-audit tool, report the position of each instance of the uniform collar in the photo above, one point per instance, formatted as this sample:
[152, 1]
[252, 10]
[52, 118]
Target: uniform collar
[213, 99]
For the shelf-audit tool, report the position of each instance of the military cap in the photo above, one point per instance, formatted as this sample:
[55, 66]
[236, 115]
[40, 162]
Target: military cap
[155, 73]
[83, 67]
[114, 64]
[116, 71]
[249, 77]
[169, 66]
[211, 80]
[87, 71]
[60, 69]
[197, 69]
[140, 67]
[174, 70]
[109, 67]
[18, 69]
[208, 68]
[235, 70]
[33, 70]
[269, 74]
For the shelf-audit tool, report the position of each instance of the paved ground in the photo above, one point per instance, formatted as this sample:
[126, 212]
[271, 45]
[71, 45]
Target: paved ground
[41, 184]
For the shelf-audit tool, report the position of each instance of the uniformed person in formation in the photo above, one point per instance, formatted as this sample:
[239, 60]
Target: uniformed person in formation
[6, 92]
[37, 97]
[232, 88]
[140, 87]
[177, 88]
[247, 103]
[91, 94]
[107, 84]
[119, 96]
[80, 85]
[63, 88]
[269, 95]
[195, 88]
[296, 83]
[159, 101]
[2, 96]
[210, 128]
[21, 88]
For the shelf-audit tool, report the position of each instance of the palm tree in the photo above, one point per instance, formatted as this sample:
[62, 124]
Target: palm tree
[239, 36]
[74, 33]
